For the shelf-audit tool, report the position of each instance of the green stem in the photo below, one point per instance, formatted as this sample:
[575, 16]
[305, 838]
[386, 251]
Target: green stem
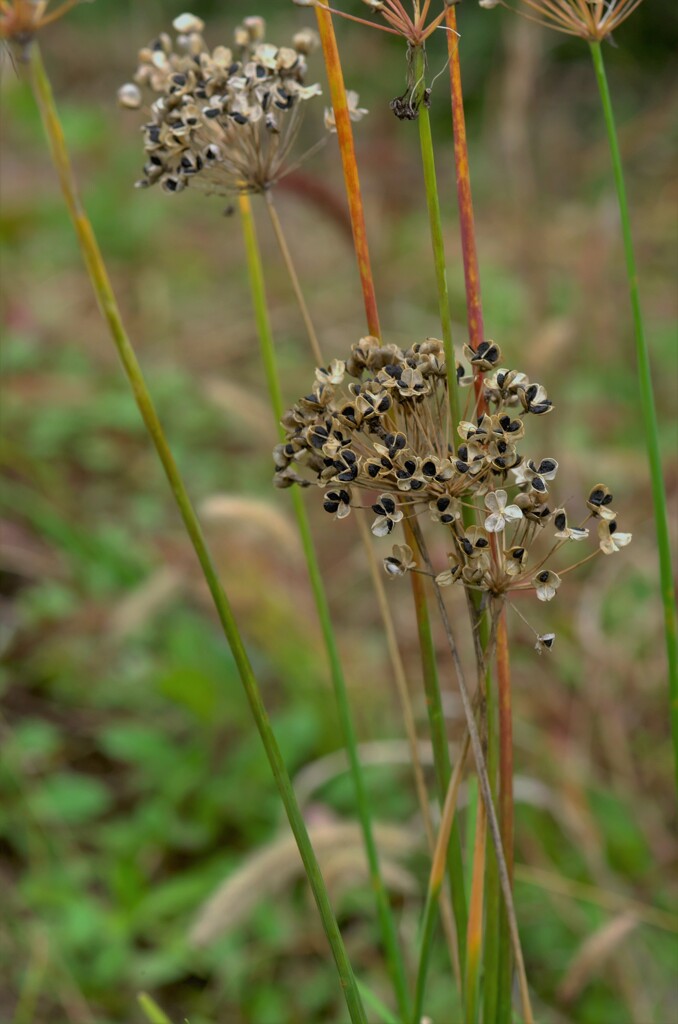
[418, 58]
[649, 411]
[494, 911]
[387, 925]
[441, 756]
[104, 293]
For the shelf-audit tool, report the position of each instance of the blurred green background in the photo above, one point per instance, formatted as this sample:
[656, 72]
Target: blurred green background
[131, 781]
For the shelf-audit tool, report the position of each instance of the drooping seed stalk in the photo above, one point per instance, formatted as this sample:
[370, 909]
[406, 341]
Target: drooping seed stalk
[647, 401]
[437, 877]
[335, 77]
[417, 57]
[386, 922]
[441, 753]
[485, 790]
[294, 279]
[102, 287]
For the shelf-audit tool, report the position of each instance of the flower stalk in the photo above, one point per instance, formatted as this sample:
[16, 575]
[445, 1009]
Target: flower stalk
[647, 400]
[386, 923]
[417, 59]
[441, 756]
[103, 290]
[335, 77]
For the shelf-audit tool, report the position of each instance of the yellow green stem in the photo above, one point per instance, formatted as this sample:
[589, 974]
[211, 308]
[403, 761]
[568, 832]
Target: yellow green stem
[386, 923]
[647, 402]
[105, 296]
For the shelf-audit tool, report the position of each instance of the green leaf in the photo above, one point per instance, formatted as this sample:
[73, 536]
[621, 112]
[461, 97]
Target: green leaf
[193, 689]
[68, 798]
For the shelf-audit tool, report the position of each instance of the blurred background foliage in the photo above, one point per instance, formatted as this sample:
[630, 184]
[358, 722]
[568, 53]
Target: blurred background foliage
[131, 781]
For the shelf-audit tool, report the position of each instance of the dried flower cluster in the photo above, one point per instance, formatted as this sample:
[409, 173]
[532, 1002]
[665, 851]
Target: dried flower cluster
[21, 19]
[388, 432]
[592, 20]
[224, 120]
[413, 27]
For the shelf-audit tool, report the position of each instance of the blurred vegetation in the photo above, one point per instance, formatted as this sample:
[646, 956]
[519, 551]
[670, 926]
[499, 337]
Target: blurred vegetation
[131, 782]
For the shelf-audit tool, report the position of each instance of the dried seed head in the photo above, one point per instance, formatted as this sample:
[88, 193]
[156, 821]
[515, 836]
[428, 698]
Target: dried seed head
[224, 120]
[592, 20]
[378, 422]
[21, 19]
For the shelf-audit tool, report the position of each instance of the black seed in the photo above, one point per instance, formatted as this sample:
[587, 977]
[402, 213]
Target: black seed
[543, 576]
[379, 510]
[482, 543]
[373, 470]
[211, 112]
[239, 118]
[331, 506]
[560, 521]
[518, 553]
[596, 497]
[179, 79]
[389, 505]
[417, 485]
[442, 504]
[547, 466]
[613, 526]
[539, 485]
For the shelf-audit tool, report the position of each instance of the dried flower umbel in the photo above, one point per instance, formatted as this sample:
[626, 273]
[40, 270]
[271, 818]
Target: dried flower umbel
[224, 120]
[387, 433]
[593, 20]
[398, 21]
[21, 19]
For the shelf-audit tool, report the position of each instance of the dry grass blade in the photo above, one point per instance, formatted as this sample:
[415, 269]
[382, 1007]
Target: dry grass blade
[275, 867]
[143, 603]
[251, 515]
[593, 954]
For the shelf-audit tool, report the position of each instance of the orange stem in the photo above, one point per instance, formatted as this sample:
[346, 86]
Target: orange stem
[342, 119]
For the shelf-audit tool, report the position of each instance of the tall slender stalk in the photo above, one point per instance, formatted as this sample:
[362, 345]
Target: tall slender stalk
[474, 943]
[441, 753]
[109, 308]
[335, 77]
[485, 789]
[386, 922]
[505, 807]
[376, 574]
[649, 412]
[417, 57]
[497, 962]
[437, 876]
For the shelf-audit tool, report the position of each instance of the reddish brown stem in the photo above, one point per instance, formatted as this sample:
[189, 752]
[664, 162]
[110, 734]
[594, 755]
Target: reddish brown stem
[474, 308]
[342, 118]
